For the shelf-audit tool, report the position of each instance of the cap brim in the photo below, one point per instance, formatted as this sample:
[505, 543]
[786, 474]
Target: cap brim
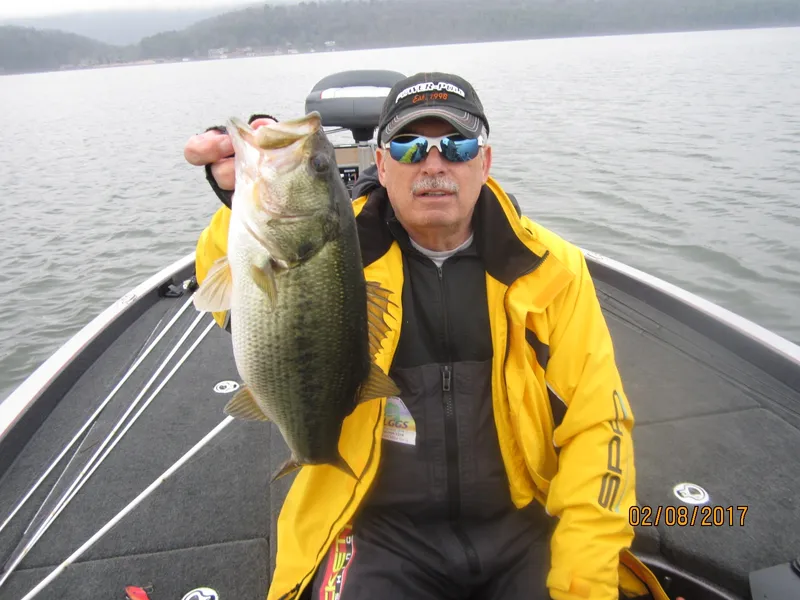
[465, 123]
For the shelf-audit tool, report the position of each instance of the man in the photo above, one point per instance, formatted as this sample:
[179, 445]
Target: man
[510, 392]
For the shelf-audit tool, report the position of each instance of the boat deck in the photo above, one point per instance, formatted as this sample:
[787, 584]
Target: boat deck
[704, 416]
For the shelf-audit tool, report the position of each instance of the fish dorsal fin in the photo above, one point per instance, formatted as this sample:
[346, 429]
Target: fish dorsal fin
[377, 385]
[216, 290]
[244, 406]
[377, 308]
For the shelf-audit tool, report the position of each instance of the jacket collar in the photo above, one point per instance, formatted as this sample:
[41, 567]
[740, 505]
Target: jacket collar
[496, 225]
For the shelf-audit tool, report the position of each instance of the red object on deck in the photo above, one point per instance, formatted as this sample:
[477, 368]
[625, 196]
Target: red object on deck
[136, 593]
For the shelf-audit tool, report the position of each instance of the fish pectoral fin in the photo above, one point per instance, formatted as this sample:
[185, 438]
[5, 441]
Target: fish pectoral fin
[377, 308]
[290, 466]
[216, 290]
[243, 405]
[377, 385]
[264, 278]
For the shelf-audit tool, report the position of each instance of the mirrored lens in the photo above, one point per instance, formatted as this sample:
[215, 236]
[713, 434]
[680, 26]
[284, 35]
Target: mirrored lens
[459, 150]
[409, 149]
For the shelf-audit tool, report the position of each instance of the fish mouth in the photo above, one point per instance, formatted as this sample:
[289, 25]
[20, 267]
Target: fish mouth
[283, 134]
[275, 136]
[282, 146]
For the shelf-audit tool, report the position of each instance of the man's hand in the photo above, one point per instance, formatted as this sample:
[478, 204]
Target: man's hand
[215, 148]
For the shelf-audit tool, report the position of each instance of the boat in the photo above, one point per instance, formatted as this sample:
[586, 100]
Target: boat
[118, 467]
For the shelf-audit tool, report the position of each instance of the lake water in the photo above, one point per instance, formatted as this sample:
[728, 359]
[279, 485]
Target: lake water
[678, 154]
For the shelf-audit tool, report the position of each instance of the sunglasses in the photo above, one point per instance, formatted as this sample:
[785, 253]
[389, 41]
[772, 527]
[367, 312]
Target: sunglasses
[411, 148]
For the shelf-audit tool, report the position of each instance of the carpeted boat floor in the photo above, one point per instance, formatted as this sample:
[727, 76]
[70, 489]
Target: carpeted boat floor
[706, 417]
[235, 568]
[703, 415]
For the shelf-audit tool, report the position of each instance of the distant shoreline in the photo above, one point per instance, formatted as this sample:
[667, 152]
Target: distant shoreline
[254, 54]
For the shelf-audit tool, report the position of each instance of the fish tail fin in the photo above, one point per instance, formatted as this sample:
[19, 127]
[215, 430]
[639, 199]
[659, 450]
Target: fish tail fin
[292, 464]
[289, 466]
[341, 464]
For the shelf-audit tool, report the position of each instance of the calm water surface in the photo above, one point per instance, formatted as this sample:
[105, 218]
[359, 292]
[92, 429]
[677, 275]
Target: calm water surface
[678, 154]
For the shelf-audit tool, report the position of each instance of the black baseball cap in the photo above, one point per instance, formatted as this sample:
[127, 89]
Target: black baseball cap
[441, 95]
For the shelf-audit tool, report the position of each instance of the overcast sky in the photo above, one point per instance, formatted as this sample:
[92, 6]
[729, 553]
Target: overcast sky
[38, 8]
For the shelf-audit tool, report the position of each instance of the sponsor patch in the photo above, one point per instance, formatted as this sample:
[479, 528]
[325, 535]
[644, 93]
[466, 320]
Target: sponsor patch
[398, 424]
[430, 86]
[340, 556]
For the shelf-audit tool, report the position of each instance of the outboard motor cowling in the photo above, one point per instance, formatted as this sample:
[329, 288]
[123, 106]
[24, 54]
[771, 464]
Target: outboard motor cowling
[353, 100]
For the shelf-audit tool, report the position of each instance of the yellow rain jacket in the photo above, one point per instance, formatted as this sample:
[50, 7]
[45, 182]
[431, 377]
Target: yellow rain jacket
[580, 465]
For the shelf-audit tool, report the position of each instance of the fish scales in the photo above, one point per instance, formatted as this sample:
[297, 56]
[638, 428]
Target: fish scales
[303, 339]
[300, 358]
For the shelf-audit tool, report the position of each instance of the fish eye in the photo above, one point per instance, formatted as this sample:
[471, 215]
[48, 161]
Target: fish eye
[320, 163]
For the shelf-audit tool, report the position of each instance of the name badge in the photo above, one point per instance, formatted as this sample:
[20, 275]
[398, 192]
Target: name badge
[398, 424]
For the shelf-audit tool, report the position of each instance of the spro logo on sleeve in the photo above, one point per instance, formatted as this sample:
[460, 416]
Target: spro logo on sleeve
[612, 478]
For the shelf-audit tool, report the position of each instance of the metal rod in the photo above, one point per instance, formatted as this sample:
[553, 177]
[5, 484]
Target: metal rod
[54, 489]
[67, 499]
[121, 514]
[92, 418]
[92, 465]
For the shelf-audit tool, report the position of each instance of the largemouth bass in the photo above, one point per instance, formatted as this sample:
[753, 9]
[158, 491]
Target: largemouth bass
[305, 323]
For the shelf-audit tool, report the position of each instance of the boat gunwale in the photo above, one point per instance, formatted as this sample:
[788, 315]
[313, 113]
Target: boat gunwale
[766, 349]
[22, 400]
[715, 321]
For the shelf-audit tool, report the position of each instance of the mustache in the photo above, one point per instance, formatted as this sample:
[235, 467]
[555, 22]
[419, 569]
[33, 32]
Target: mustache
[439, 183]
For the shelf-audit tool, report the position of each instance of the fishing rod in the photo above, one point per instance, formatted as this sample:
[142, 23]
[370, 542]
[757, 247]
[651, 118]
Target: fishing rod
[130, 423]
[94, 462]
[141, 355]
[133, 504]
[93, 417]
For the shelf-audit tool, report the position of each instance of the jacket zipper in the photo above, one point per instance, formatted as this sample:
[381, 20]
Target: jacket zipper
[451, 441]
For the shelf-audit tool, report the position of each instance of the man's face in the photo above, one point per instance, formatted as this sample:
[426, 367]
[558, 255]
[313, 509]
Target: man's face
[433, 196]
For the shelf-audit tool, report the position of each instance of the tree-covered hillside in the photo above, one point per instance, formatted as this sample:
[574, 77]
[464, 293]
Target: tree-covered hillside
[383, 23]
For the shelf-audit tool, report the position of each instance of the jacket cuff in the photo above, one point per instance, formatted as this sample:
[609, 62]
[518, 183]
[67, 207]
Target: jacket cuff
[226, 196]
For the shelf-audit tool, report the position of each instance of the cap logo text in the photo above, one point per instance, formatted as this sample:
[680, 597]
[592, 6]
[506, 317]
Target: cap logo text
[430, 86]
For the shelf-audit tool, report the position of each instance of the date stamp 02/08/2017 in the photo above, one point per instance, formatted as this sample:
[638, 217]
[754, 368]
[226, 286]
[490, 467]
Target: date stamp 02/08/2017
[687, 516]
